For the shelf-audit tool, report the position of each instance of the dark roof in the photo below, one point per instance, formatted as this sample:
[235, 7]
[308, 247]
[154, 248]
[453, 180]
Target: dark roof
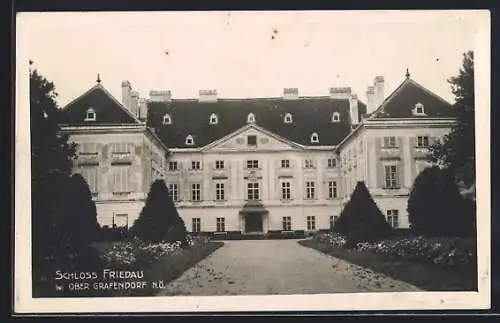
[309, 114]
[108, 110]
[402, 101]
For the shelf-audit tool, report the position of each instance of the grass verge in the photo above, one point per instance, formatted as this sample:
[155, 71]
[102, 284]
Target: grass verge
[427, 276]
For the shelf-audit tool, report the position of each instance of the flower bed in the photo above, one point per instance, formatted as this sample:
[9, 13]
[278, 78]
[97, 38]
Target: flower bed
[137, 253]
[443, 251]
[444, 264]
[158, 261]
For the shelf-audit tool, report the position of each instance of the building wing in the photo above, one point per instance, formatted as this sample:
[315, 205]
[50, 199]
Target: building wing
[96, 107]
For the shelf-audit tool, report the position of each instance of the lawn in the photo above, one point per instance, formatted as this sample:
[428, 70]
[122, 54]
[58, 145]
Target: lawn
[424, 275]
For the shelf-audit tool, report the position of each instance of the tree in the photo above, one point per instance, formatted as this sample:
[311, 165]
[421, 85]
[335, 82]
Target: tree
[51, 158]
[457, 149]
[361, 219]
[159, 219]
[80, 222]
[57, 214]
[435, 206]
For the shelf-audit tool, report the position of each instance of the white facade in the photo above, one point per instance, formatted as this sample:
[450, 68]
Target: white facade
[253, 180]
[119, 163]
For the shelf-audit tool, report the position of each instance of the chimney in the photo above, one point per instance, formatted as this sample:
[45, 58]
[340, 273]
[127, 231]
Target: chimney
[142, 109]
[134, 102]
[379, 90]
[160, 96]
[207, 95]
[340, 92]
[290, 93]
[126, 94]
[370, 99]
[353, 109]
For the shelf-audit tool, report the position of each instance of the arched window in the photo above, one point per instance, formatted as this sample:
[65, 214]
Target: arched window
[189, 140]
[251, 118]
[288, 118]
[336, 117]
[214, 119]
[314, 138]
[167, 119]
[90, 115]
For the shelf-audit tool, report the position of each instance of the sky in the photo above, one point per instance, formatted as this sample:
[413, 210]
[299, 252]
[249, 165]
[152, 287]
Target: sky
[246, 54]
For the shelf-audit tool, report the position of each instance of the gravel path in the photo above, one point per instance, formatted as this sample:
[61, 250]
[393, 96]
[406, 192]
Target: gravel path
[269, 267]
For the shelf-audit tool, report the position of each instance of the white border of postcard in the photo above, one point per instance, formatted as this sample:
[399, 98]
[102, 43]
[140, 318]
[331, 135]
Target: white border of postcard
[24, 303]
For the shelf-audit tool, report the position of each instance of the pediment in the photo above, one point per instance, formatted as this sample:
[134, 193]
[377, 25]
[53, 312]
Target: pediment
[264, 140]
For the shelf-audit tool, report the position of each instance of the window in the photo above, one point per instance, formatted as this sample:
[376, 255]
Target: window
[121, 179]
[308, 163]
[173, 165]
[252, 164]
[120, 220]
[196, 164]
[422, 141]
[310, 190]
[419, 108]
[219, 164]
[221, 224]
[333, 219]
[332, 189]
[288, 118]
[189, 140]
[336, 117]
[196, 192]
[252, 140]
[196, 225]
[393, 218]
[251, 118]
[391, 176]
[332, 163]
[173, 190]
[167, 119]
[285, 163]
[214, 119]
[90, 115]
[253, 191]
[314, 138]
[219, 191]
[390, 142]
[311, 223]
[286, 193]
[287, 223]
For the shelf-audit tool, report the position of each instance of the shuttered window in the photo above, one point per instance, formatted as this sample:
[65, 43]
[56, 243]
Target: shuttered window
[121, 179]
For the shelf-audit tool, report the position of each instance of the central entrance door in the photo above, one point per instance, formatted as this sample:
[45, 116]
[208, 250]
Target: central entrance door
[253, 222]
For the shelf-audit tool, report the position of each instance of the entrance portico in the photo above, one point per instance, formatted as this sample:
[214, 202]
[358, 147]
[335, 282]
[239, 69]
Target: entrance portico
[254, 218]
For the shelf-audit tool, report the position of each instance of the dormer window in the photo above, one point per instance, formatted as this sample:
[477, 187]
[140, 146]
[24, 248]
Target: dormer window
[288, 118]
[251, 118]
[167, 119]
[214, 119]
[419, 109]
[314, 138]
[90, 115]
[189, 140]
[336, 117]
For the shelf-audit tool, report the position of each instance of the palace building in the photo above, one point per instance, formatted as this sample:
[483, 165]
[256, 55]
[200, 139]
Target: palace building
[256, 164]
